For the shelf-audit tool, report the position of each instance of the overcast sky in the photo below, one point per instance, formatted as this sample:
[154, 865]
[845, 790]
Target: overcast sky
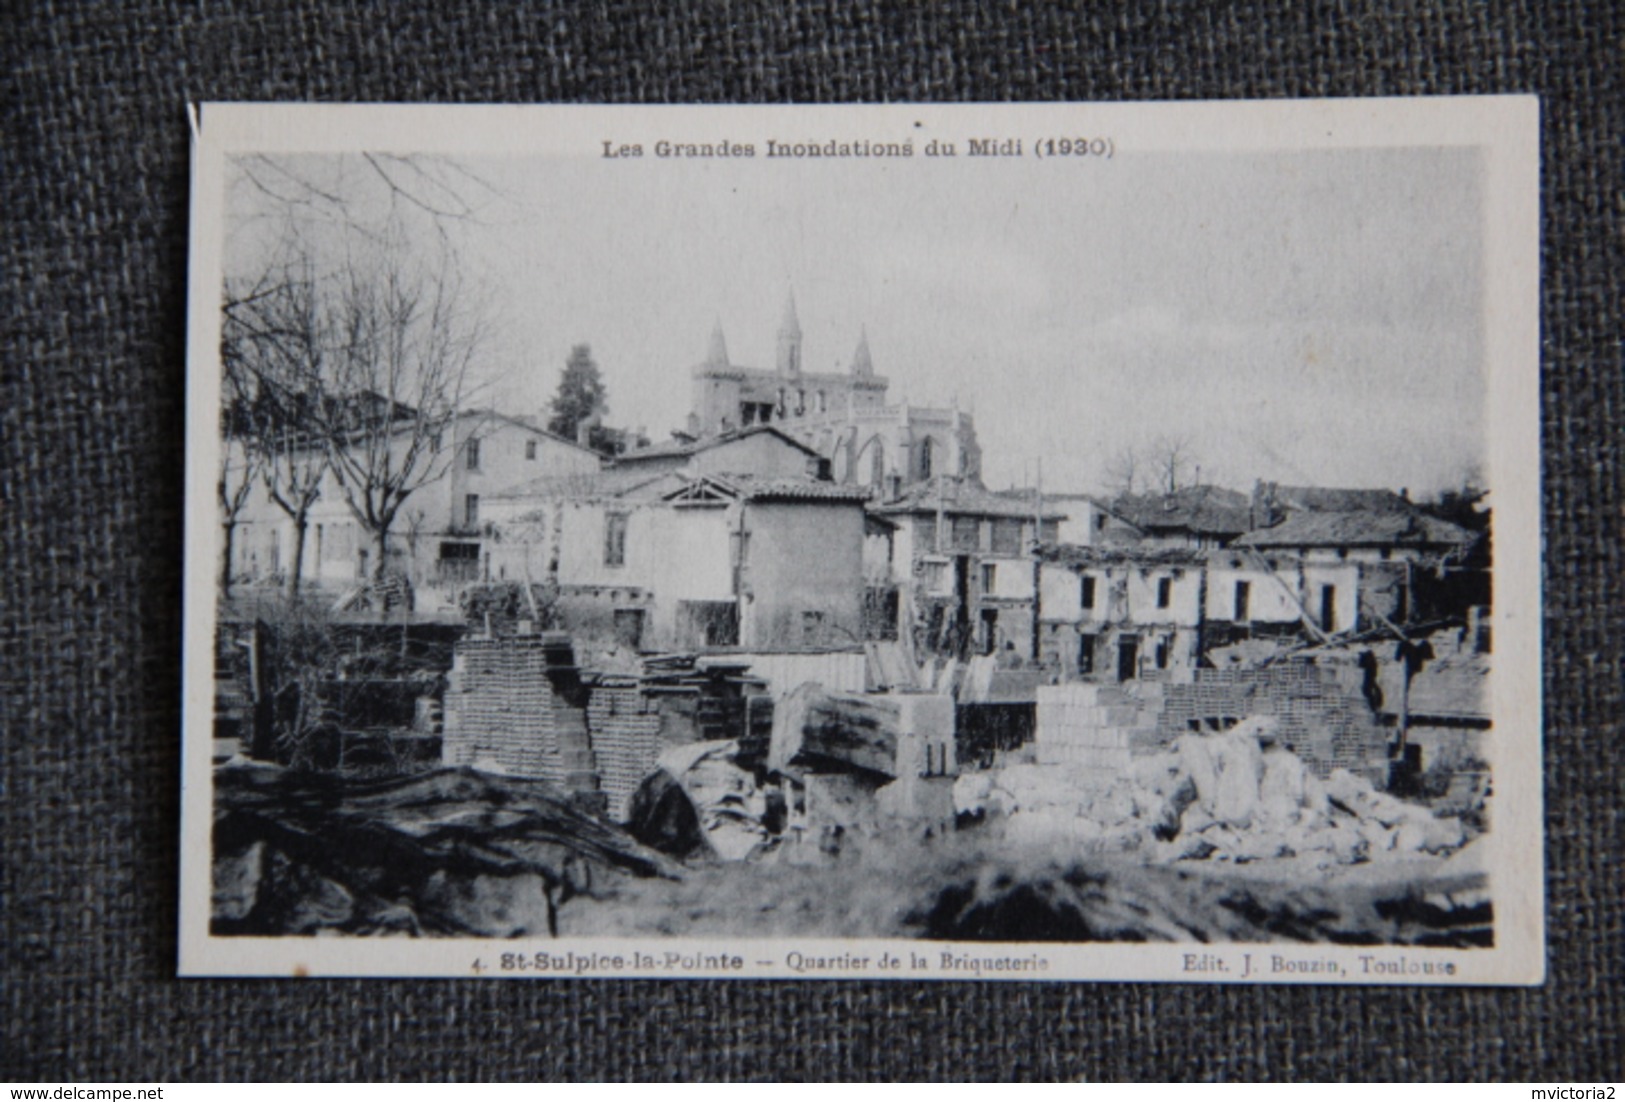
[1306, 317]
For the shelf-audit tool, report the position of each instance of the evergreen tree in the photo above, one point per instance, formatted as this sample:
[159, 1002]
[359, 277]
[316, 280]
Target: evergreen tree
[581, 398]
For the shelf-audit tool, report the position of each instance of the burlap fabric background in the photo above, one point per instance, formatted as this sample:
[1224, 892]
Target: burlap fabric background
[95, 197]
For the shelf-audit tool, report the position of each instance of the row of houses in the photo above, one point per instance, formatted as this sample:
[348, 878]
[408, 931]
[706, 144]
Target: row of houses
[742, 540]
[806, 511]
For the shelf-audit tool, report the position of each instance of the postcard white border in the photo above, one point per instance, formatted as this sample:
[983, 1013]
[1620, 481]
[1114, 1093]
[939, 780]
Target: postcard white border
[1505, 128]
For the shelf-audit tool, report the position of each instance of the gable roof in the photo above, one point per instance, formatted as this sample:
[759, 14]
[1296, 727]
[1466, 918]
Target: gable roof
[1332, 499]
[1211, 510]
[595, 484]
[1360, 528]
[744, 487]
[679, 449]
[964, 497]
[529, 426]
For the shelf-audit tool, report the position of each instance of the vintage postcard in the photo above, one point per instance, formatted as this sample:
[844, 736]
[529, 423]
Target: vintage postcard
[1064, 542]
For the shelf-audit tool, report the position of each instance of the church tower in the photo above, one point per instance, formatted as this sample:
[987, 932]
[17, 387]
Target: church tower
[717, 354]
[862, 365]
[790, 339]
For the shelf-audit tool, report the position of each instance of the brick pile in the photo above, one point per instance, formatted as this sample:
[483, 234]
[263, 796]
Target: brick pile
[1099, 727]
[626, 740]
[519, 705]
[507, 711]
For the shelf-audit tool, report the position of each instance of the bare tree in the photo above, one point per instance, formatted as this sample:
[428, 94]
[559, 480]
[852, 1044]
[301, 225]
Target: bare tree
[274, 351]
[1123, 472]
[398, 379]
[1171, 459]
[239, 467]
[349, 329]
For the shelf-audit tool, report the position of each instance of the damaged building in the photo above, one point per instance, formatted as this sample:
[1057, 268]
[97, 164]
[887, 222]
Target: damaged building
[961, 556]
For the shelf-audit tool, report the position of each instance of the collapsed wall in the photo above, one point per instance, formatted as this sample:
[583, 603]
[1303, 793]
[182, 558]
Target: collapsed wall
[1321, 714]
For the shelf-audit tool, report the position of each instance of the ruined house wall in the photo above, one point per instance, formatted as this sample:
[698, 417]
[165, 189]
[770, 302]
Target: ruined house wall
[1060, 592]
[1184, 584]
[1384, 590]
[1272, 595]
[1324, 717]
[1343, 578]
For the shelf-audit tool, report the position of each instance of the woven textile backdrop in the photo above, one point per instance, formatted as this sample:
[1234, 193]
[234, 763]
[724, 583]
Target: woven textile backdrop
[95, 197]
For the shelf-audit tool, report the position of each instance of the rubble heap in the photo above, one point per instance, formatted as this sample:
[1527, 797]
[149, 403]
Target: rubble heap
[1236, 796]
[453, 852]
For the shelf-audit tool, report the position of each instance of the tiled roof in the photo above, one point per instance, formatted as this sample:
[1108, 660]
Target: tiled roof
[1332, 499]
[1207, 509]
[530, 424]
[962, 497]
[1118, 555]
[1359, 528]
[677, 449]
[606, 483]
[751, 488]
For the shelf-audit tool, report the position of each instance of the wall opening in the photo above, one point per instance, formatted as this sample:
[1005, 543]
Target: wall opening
[1328, 609]
[1128, 658]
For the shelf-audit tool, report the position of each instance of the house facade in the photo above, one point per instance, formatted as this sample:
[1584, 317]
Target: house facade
[438, 539]
[961, 556]
[691, 561]
[1113, 615]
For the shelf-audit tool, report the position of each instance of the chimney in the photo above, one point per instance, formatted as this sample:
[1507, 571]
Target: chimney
[1264, 513]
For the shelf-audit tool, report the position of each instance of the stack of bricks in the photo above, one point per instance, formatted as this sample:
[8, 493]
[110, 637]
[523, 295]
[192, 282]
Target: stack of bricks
[1100, 728]
[626, 741]
[633, 720]
[505, 714]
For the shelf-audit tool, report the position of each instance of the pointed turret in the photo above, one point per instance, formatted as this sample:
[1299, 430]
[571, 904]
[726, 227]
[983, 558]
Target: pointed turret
[861, 363]
[717, 354]
[790, 339]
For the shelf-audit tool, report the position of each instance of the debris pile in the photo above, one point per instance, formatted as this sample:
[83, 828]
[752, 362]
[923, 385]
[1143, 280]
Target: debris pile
[1236, 796]
[452, 853]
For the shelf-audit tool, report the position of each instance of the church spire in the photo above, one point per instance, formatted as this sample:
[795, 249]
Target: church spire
[861, 363]
[790, 339]
[717, 354]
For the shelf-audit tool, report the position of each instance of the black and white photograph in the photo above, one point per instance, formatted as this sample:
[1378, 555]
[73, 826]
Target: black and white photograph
[1059, 542]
